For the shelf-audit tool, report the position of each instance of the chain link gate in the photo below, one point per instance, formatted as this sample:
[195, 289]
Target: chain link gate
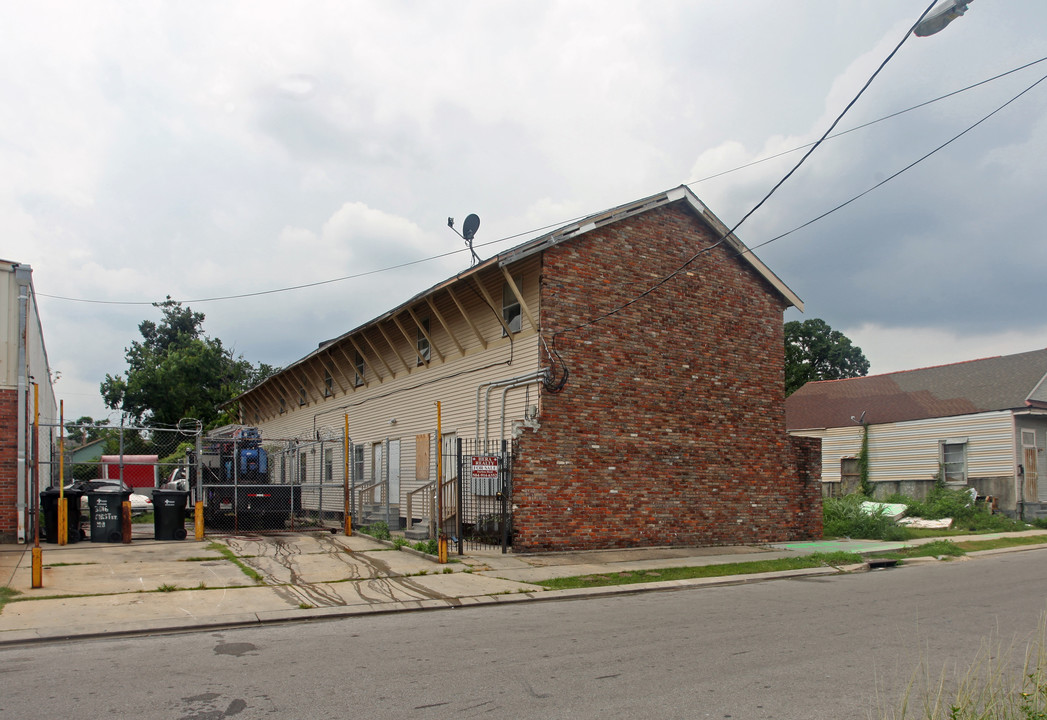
[484, 494]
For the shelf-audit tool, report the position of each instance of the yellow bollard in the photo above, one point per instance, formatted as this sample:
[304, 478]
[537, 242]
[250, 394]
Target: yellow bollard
[38, 567]
[198, 520]
[63, 520]
[125, 521]
[442, 545]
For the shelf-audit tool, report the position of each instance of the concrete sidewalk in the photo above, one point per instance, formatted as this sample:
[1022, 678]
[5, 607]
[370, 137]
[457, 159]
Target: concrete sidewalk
[148, 586]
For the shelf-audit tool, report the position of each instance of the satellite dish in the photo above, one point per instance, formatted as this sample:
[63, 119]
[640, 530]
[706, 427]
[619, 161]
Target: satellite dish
[471, 225]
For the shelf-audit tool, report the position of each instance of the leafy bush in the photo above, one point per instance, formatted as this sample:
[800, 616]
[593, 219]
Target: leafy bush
[399, 541]
[378, 530]
[430, 546]
[956, 504]
[845, 517]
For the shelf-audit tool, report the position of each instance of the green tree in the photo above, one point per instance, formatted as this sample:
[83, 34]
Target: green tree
[814, 351]
[177, 372]
[85, 429]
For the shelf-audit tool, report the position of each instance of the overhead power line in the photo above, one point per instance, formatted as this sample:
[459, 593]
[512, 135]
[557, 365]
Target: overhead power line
[507, 238]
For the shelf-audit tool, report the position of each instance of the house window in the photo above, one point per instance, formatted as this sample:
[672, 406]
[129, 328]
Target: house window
[358, 463]
[328, 384]
[302, 469]
[850, 476]
[423, 342]
[359, 365]
[283, 406]
[329, 467]
[954, 460]
[511, 307]
[302, 397]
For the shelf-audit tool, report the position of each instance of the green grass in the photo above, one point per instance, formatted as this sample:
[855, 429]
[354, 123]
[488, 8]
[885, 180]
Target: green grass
[231, 557]
[938, 548]
[705, 571]
[6, 594]
[1004, 542]
[378, 530]
[167, 588]
[146, 517]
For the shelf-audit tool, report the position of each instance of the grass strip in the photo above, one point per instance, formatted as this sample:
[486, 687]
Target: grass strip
[231, 557]
[703, 571]
[6, 595]
[1003, 542]
[938, 548]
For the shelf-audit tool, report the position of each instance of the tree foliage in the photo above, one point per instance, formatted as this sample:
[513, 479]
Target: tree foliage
[177, 372]
[814, 351]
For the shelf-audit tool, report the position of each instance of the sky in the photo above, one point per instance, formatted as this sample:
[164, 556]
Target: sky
[207, 149]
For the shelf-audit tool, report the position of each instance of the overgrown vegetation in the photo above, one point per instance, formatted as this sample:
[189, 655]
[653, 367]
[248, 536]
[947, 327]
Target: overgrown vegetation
[996, 686]
[378, 530]
[938, 548]
[814, 560]
[430, 546]
[845, 516]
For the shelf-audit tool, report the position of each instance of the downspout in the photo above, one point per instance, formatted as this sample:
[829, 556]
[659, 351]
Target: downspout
[516, 381]
[23, 392]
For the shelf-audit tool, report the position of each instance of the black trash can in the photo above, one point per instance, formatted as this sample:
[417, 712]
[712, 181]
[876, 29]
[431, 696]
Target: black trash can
[49, 506]
[169, 514]
[106, 506]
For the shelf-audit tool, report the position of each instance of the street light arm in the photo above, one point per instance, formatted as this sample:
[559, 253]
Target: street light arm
[941, 16]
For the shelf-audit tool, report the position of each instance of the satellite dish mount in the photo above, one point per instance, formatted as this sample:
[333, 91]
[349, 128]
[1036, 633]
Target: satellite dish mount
[469, 228]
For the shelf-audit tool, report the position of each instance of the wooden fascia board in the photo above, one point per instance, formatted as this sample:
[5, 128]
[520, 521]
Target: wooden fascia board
[446, 326]
[378, 354]
[392, 346]
[468, 320]
[412, 342]
[496, 309]
[421, 328]
[519, 297]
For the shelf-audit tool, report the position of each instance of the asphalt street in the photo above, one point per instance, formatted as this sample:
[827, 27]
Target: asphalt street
[827, 647]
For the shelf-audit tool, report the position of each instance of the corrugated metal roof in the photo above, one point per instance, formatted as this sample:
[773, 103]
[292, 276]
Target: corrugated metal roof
[1007, 382]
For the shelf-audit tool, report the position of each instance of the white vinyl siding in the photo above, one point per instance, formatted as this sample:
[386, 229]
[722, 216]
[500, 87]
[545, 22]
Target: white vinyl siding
[912, 450]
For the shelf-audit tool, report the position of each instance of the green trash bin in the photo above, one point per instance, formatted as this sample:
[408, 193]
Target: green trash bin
[169, 514]
[49, 507]
[106, 507]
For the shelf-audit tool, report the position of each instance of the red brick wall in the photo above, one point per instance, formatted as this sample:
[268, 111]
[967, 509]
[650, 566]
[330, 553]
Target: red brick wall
[8, 465]
[671, 429]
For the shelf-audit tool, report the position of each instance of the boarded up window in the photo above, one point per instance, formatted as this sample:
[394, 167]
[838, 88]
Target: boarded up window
[421, 457]
[849, 475]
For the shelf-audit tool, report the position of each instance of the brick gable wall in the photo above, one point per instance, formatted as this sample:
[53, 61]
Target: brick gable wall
[670, 430]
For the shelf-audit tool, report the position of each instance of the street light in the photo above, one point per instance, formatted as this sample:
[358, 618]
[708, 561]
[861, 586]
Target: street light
[943, 14]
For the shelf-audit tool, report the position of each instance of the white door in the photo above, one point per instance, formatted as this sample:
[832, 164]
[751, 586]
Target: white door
[394, 472]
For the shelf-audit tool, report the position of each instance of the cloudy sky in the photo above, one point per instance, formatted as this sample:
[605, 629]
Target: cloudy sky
[206, 149]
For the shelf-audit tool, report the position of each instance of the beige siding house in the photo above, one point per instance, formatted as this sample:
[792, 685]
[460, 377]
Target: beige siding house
[637, 418]
[981, 424]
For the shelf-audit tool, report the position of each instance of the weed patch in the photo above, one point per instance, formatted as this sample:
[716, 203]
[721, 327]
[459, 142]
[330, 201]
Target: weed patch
[1004, 542]
[6, 594]
[229, 555]
[378, 530]
[687, 573]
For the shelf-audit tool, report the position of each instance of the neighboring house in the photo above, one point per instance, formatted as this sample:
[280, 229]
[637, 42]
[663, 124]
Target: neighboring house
[660, 424]
[82, 461]
[23, 362]
[980, 424]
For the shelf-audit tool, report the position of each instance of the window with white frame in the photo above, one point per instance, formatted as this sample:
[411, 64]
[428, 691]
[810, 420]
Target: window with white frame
[511, 312]
[328, 384]
[303, 398]
[954, 460]
[358, 463]
[423, 342]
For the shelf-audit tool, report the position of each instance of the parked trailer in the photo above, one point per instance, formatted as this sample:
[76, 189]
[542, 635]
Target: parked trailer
[138, 471]
[236, 488]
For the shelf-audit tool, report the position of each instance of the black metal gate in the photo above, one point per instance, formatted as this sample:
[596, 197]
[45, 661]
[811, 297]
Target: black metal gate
[484, 494]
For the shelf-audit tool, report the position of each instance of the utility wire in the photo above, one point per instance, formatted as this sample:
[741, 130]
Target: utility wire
[662, 281]
[892, 177]
[507, 238]
[865, 125]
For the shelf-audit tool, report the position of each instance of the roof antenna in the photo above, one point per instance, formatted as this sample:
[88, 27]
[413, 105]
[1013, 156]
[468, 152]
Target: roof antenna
[469, 228]
[859, 421]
